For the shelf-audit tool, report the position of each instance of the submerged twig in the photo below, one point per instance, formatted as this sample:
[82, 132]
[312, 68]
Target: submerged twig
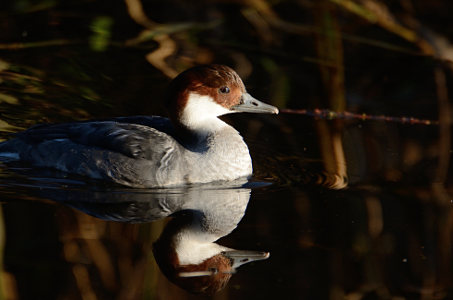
[345, 115]
[330, 47]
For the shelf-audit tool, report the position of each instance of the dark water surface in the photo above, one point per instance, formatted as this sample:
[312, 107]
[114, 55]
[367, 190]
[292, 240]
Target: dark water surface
[353, 208]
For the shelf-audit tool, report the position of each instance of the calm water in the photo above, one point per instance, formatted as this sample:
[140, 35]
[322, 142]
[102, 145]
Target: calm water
[347, 209]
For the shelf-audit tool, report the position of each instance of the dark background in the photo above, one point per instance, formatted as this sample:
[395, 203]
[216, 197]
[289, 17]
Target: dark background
[359, 208]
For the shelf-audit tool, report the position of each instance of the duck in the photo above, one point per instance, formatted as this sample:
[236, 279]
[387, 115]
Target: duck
[192, 146]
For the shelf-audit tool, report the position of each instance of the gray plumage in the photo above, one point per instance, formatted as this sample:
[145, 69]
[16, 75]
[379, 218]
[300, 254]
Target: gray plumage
[134, 151]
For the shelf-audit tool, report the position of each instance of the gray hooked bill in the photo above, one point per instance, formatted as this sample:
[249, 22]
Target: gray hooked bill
[252, 105]
[240, 257]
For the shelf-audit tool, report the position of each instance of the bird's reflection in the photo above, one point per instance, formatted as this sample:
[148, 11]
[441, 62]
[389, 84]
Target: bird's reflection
[186, 251]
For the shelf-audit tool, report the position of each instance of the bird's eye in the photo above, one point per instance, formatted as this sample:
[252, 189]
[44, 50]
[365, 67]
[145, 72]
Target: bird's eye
[224, 90]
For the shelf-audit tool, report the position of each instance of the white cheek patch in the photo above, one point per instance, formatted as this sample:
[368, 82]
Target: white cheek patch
[201, 105]
[194, 253]
[201, 112]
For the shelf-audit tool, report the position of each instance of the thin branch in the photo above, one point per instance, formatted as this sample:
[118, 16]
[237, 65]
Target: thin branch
[326, 114]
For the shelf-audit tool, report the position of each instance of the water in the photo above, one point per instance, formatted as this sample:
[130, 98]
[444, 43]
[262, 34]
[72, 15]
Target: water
[347, 209]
